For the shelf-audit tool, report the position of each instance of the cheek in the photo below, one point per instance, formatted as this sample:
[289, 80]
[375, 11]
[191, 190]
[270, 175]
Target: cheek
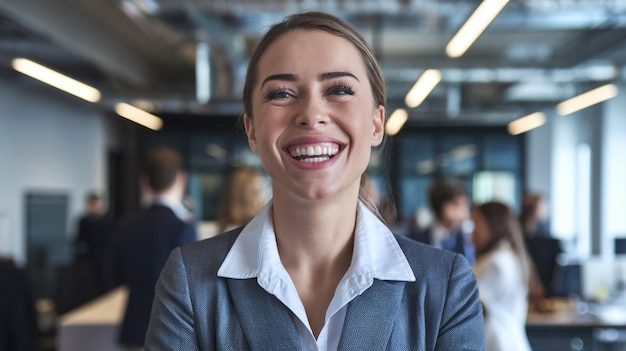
[448, 211]
[477, 240]
[478, 235]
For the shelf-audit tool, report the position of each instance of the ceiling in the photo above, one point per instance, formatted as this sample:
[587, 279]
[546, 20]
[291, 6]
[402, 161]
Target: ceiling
[535, 54]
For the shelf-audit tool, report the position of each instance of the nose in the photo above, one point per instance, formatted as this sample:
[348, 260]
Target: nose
[312, 112]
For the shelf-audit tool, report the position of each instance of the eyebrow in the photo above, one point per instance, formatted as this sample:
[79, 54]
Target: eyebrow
[294, 77]
[283, 76]
[332, 75]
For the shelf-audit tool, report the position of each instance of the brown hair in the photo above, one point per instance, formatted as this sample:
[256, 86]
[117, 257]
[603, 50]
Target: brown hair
[161, 167]
[315, 21]
[442, 192]
[503, 225]
[242, 199]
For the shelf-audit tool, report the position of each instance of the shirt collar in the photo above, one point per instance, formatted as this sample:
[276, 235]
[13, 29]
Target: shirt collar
[377, 253]
[176, 206]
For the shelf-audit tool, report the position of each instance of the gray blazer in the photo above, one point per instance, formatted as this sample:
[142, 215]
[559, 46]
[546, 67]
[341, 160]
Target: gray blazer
[194, 309]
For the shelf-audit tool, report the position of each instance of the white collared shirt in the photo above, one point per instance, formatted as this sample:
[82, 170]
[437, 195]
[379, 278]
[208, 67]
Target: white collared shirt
[376, 255]
[176, 206]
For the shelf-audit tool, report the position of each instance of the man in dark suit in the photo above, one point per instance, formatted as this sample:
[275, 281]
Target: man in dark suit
[143, 245]
[449, 203]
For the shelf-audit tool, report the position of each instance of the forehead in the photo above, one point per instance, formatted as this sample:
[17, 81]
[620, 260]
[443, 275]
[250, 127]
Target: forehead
[311, 51]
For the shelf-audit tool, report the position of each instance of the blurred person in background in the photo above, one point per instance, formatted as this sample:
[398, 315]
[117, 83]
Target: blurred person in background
[244, 197]
[542, 248]
[384, 204]
[450, 205]
[93, 242]
[534, 216]
[503, 272]
[90, 273]
[18, 317]
[143, 245]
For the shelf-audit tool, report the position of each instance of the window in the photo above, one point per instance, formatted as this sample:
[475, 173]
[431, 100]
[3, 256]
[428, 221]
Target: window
[488, 160]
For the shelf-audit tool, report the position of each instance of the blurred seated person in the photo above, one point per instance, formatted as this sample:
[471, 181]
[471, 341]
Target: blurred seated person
[502, 271]
[449, 203]
[18, 317]
[541, 247]
[244, 197]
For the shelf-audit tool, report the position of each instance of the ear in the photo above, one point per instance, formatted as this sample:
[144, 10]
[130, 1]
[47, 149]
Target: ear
[144, 185]
[378, 131]
[250, 132]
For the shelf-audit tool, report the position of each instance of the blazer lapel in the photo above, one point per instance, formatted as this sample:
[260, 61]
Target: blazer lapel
[370, 317]
[266, 322]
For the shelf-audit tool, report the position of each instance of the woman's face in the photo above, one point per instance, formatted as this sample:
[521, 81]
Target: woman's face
[314, 119]
[481, 233]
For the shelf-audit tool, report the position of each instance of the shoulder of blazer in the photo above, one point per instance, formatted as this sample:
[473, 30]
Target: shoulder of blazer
[208, 254]
[426, 260]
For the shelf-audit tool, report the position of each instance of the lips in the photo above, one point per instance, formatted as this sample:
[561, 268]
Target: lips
[316, 152]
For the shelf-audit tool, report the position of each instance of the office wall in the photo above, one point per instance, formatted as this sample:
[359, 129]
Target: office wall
[587, 196]
[613, 166]
[538, 161]
[49, 142]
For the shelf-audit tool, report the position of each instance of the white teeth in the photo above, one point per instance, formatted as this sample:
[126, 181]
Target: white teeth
[315, 159]
[314, 150]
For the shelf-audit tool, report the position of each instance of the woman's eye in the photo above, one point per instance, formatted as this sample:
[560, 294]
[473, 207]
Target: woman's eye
[278, 94]
[341, 90]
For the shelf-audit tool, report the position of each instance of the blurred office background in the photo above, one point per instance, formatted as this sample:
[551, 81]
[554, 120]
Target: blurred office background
[184, 62]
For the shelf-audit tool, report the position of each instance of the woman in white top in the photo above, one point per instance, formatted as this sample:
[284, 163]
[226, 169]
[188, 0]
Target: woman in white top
[315, 269]
[502, 271]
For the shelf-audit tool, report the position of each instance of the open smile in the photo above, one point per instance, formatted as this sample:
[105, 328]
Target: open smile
[314, 153]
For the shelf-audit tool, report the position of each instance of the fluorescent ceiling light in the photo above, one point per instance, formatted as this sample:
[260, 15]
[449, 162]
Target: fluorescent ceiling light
[138, 116]
[474, 26]
[396, 121]
[56, 79]
[587, 99]
[424, 85]
[527, 123]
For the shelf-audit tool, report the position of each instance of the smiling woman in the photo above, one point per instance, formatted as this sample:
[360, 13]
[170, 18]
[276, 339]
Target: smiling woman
[315, 269]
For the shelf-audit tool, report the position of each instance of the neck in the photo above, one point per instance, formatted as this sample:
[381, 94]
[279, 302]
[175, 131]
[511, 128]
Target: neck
[169, 195]
[314, 234]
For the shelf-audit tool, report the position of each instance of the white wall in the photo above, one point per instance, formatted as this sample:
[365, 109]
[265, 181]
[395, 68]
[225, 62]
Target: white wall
[538, 159]
[553, 168]
[49, 141]
[563, 179]
[613, 187]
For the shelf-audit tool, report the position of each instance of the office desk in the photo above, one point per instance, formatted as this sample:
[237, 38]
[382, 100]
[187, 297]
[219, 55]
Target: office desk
[570, 326]
[93, 326]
